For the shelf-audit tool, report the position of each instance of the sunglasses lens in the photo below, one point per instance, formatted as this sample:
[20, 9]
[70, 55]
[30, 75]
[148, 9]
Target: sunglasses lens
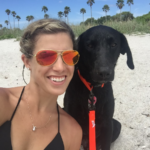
[70, 57]
[46, 57]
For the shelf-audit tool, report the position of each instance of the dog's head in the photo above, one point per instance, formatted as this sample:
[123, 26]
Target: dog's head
[99, 49]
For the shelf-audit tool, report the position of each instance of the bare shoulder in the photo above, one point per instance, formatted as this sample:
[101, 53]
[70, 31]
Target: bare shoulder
[71, 130]
[7, 103]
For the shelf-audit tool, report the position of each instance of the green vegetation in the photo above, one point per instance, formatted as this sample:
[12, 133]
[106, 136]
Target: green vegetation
[8, 12]
[124, 22]
[60, 14]
[29, 18]
[78, 29]
[7, 22]
[66, 12]
[128, 27]
[18, 18]
[106, 9]
[129, 2]
[91, 2]
[45, 9]
[46, 16]
[14, 15]
[83, 11]
[10, 33]
[143, 19]
[120, 4]
[1, 26]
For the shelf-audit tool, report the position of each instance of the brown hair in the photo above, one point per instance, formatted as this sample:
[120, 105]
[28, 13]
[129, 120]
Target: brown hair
[43, 26]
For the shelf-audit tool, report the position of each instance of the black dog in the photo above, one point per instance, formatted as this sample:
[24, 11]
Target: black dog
[99, 49]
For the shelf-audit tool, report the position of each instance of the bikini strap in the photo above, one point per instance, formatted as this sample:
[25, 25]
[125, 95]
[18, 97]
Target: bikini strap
[58, 118]
[17, 104]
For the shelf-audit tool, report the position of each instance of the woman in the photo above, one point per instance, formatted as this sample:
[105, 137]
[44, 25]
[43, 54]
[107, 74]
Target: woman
[30, 118]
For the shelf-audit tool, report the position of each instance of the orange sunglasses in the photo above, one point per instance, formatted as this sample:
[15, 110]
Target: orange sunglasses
[48, 57]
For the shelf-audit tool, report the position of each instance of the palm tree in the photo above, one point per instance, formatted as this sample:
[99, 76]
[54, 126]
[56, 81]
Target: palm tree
[8, 12]
[46, 16]
[60, 14]
[66, 12]
[18, 18]
[14, 15]
[7, 22]
[120, 4]
[106, 9]
[31, 18]
[83, 11]
[129, 2]
[28, 19]
[91, 2]
[1, 26]
[45, 9]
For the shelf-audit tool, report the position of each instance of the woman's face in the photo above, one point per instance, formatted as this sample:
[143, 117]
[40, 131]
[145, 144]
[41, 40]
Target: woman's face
[56, 77]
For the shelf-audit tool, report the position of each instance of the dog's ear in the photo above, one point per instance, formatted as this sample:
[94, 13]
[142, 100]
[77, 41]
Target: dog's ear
[126, 49]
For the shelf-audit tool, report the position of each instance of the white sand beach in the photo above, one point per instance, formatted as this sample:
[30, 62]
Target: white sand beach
[131, 89]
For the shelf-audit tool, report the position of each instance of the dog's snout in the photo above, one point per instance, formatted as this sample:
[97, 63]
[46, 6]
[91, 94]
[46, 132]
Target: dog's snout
[104, 72]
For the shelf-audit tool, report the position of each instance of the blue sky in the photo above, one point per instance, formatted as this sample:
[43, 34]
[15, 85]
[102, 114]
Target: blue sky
[24, 8]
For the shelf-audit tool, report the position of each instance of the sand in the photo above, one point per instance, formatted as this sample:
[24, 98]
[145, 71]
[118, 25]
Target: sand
[131, 89]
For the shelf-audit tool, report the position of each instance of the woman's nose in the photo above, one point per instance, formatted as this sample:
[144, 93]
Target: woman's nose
[59, 65]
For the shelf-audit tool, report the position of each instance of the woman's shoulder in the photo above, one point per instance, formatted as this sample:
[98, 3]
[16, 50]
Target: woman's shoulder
[7, 103]
[71, 129]
[69, 121]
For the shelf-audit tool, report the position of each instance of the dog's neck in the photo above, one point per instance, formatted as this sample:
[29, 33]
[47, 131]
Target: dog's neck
[88, 84]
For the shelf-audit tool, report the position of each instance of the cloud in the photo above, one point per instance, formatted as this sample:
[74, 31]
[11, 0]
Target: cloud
[60, 1]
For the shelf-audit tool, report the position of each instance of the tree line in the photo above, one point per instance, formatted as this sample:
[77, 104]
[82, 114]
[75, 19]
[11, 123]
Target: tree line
[120, 4]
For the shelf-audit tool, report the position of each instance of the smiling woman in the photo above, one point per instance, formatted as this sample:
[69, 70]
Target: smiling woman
[35, 121]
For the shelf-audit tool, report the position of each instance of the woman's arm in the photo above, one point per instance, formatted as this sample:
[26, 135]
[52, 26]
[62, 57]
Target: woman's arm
[71, 131]
[4, 106]
[75, 143]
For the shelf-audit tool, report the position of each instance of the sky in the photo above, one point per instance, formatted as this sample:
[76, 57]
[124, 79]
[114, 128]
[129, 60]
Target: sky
[25, 8]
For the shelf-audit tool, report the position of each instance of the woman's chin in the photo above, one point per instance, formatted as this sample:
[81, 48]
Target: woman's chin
[56, 91]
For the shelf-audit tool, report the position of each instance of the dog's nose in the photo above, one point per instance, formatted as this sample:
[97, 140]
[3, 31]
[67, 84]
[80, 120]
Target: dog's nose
[104, 72]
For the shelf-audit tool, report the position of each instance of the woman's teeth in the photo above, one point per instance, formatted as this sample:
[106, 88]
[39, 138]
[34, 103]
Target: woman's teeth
[58, 79]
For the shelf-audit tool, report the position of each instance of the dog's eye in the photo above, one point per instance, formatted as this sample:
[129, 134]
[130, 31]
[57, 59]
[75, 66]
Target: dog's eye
[113, 44]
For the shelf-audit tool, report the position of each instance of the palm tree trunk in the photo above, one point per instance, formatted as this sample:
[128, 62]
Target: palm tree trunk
[91, 15]
[120, 14]
[83, 17]
[14, 23]
[106, 16]
[66, 19]
[9, 22]
[130, 8]
[18, 23]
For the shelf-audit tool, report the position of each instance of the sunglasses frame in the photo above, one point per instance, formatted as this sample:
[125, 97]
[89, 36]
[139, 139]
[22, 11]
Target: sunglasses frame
[58, 53]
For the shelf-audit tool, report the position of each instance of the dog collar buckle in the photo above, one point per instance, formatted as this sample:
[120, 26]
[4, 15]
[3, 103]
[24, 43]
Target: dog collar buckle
[92, 101]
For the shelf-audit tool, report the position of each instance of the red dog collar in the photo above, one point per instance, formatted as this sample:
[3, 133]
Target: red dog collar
[87, 84]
